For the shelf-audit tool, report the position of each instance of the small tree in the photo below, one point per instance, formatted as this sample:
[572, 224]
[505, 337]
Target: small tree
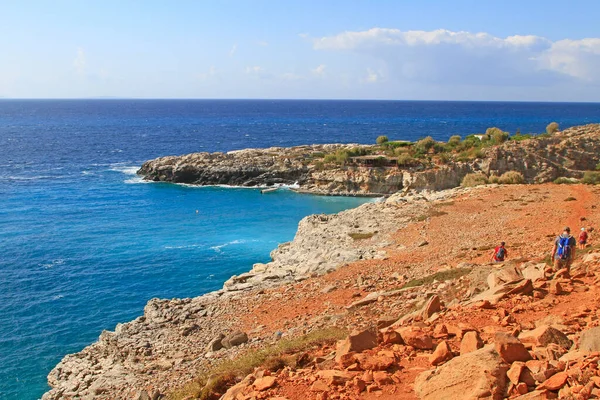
[424, 145]
[496, 135]
[552, 128]
[381, 139]
[454, 140]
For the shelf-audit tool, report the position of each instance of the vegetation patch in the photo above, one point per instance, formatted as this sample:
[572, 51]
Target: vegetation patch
[570, 198]
[511, 178]
[564, 181]
[591, 178]
[476, 179]
[432, 212]
[438, 276]
[213, 383]
[361, 235]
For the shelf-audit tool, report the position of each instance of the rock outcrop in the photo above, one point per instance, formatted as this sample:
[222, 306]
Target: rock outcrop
[564, 154]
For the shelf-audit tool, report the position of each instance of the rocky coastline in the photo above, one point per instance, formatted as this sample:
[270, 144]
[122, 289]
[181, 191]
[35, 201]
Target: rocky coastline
[174, 339]
[564, 154]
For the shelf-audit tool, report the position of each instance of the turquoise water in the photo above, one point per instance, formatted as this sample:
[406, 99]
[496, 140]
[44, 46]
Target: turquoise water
[84, 244]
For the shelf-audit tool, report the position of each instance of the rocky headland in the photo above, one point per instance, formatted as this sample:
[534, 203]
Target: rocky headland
[407, 281]
[540, 159]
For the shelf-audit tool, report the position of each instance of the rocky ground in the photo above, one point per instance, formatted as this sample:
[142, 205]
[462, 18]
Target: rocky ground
[408, 331]
[565, 154]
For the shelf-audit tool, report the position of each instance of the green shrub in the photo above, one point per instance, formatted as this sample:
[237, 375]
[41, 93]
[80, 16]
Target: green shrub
[441, 276]
[424, 145]
[319, 165]
[329, 158]
[598, 167]
[381, 139]
[317, 154]
[564, 181]
[496, 135]
[591, 178]
[511, 178]
[405, 160]
[399, 143]
[475, 179]
[494, 179]
[552, 128]
[518, 137]
[454, 140]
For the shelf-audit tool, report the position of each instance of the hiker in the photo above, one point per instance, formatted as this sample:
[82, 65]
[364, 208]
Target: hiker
[499, 253]
[583, 237]
[563, 252]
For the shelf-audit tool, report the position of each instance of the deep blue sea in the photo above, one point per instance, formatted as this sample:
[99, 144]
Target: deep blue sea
[84, 244]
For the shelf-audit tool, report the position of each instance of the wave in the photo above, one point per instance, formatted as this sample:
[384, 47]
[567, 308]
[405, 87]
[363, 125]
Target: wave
[53, 263]
[237, 241]
[125, 169]
[30, 178]
[136, 180]
[187, 246]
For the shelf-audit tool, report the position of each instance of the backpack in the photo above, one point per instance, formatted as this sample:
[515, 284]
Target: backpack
[500, 254]
[564, 247]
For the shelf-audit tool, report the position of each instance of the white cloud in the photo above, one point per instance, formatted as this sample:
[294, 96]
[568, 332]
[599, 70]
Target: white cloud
[373, 76]
[319, 71]
[212, 71]
[262, 43]
[447, 57]
[79, 63]
[233, 50]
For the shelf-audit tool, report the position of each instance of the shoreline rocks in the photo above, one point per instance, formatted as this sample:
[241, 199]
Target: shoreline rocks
[566, 154]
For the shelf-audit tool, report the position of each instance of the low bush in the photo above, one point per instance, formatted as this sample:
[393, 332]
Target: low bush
[424, 145]
[381, 139]
[564, 181]
[214, 382]
[496, 135]
[361, 235]
[494, 179]
[439, 277]
[518, 137]
[511, 178]
[475, 179]
[591, 178]
[552, 128]
[454, 141]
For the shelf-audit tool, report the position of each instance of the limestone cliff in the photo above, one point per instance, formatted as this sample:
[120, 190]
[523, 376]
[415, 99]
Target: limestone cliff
[542, 159]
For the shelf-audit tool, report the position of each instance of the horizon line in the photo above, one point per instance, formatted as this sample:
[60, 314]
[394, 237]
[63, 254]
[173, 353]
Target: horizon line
[109, 98]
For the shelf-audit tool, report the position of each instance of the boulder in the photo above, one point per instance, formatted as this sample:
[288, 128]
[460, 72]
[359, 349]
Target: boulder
[590, 340]
[441, 354]
[234, 339]
[476, 375]
[357, 341]
[471, 342]
[417, 338]
[432, 306]
[510, 348]
[509, 273]
[555, 382]
[264, 383]
[537, 395]
[215, 344]
[514, 373]
[533, 271]
[544, 335]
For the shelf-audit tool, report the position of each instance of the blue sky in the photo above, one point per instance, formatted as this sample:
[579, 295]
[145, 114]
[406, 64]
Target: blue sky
[446, 50]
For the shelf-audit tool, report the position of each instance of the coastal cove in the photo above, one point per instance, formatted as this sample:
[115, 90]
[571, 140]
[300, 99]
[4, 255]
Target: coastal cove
[86, 243]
